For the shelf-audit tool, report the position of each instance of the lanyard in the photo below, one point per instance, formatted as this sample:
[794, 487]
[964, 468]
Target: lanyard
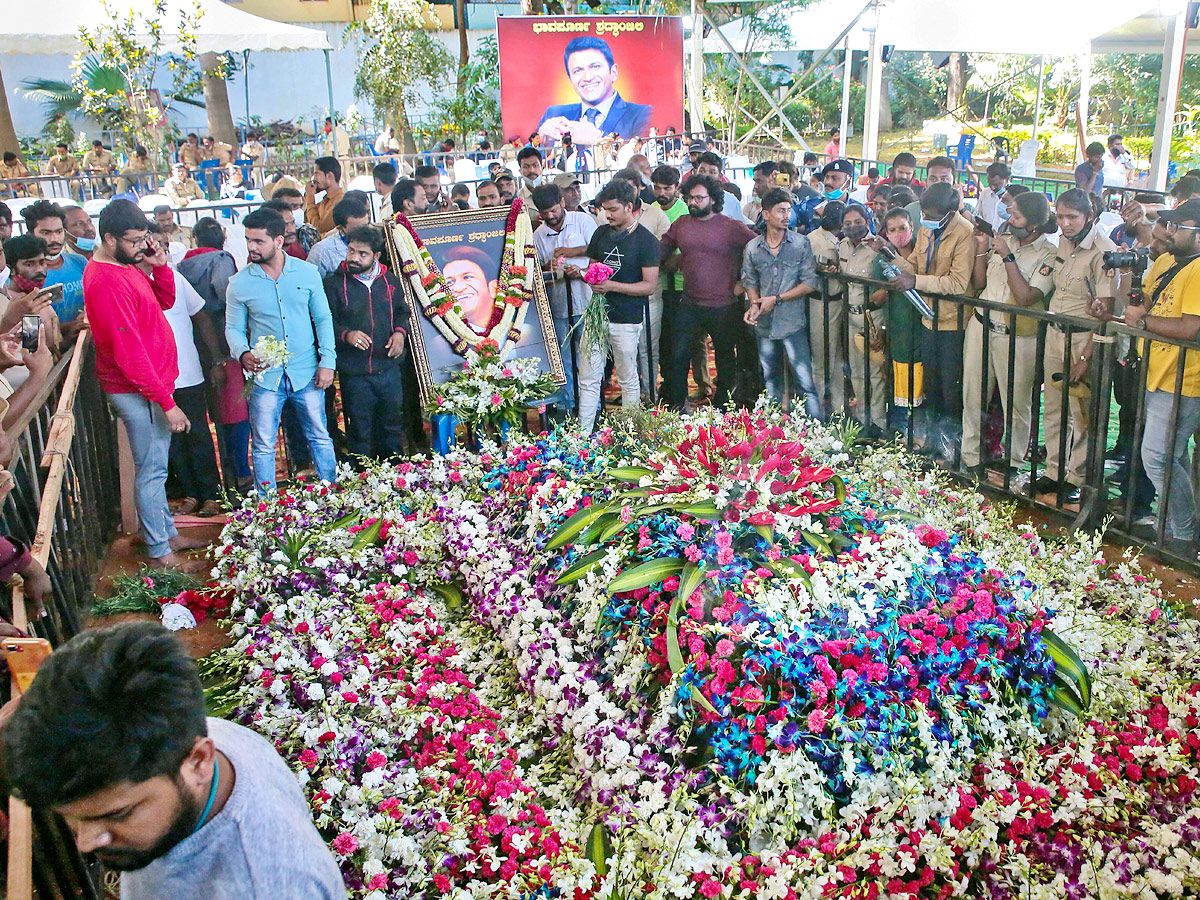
[931, 250]
[212, 795]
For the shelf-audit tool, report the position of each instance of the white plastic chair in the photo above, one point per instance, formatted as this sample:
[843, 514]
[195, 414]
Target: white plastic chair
[95, 206]
[1025, 165]
[465, 170]
[148, 202]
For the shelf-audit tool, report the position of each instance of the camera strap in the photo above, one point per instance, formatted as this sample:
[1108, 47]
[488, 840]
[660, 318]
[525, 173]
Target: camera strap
[1167, 278]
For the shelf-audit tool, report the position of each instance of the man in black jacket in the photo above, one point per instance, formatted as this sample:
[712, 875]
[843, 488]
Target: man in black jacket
[370, 323]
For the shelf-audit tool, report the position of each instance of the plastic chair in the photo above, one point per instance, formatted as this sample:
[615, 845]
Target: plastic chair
[962, 153]
[209, 176]
[96, 206]
[1025, 165]
[465, 170]
[148, 202]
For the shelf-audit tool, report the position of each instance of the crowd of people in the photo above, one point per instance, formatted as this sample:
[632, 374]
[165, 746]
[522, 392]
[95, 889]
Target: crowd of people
[823, 290]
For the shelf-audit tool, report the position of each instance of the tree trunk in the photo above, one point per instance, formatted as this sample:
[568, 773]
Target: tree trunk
[8, 134]
[216, 100]
[464, 53]
[885, 102]
[400, 118]
[956, 83]
[571, 7]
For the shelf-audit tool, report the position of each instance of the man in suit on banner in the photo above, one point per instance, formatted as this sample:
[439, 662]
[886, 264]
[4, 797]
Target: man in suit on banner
[593, 74]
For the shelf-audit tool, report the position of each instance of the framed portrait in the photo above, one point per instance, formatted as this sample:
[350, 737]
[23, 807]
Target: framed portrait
[467, 250]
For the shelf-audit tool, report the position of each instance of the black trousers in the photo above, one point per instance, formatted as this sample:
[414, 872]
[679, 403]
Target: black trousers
[374, 409]
[942, 357]
[689, 323]
[193, 459]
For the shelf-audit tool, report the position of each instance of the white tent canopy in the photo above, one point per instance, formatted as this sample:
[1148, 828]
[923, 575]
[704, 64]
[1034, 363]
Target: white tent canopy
[30, 28]
[1030, 27]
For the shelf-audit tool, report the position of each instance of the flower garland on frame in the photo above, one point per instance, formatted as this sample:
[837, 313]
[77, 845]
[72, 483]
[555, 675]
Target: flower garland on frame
[514, 292]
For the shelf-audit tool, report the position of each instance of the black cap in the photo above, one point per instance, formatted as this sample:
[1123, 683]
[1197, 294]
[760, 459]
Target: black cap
[698, 147]
[1188, 211]
[839, 165]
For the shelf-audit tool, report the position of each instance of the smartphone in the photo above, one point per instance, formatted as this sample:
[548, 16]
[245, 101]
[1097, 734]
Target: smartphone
[985, 227]
[55, 291]
[25, 655]
[30, 330]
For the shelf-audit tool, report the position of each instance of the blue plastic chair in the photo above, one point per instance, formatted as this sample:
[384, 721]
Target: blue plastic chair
[962, 153]
[209, 176]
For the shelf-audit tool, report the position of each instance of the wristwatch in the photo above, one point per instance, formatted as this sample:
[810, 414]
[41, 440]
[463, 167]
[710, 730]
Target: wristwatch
[1012, 257]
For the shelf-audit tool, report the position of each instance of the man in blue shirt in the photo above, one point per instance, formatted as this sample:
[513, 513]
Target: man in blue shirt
[279, 296]
[47, 220]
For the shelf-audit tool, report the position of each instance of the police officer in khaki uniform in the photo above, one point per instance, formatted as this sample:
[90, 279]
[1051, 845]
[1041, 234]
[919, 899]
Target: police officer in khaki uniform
[855, 257]
[827, 317]
[99, 162]
[1015, 268]
[1079, 279]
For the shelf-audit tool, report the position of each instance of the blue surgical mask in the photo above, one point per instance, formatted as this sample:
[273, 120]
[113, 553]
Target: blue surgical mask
[1003, 211]
[932, 224]
[85, 244]
[835, 194]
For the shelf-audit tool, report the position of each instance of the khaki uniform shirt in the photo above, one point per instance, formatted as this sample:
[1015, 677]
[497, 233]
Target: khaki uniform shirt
[942, 262]
[219, 151]
[103, 161]
[191, 156]
[182, 234]
[825, 251]
[181, 193]
[135, 174]
[1035, 261]
[1079, 274]
[271, 187]
[66, 166]
[855, 261]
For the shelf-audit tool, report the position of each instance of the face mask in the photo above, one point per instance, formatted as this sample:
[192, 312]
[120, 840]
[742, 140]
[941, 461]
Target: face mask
[932, 224]
[1083, 232]
[532, 182]
[856, 232]
[85, 244]
[837, 194]
[900, 239]
[1019, 233]
[1003, 211]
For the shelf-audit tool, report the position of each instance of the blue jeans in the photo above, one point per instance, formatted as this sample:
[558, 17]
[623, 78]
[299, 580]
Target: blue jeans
[266, 406]
[795, 347]
[1162, 448]
[150, 442]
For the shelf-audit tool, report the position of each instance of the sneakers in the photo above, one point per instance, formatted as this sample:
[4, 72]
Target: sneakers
[1146, 520]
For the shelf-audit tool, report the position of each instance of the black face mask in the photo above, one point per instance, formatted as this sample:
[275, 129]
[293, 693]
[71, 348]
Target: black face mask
[1083, 233]
[1019, 233]
[856, 232]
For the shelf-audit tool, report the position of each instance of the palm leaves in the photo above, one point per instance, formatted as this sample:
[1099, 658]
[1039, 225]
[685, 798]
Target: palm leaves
[1071, 689]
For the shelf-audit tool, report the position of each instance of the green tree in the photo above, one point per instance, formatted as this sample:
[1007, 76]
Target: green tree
[476, 106]
[402, 60]
[134, 46]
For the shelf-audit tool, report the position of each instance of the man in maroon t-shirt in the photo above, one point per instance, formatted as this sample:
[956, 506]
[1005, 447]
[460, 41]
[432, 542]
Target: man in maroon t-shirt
[710, 257]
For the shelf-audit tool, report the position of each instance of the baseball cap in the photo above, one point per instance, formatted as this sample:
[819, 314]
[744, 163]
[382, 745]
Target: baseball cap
[1189, 210]
[565, 180]
[697, 147]
[839, 165]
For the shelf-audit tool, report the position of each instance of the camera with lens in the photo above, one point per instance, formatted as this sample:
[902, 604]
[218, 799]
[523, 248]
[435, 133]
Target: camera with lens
[1137, 260]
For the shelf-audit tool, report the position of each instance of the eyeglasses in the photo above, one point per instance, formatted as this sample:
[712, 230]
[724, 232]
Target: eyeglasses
[1175, 226]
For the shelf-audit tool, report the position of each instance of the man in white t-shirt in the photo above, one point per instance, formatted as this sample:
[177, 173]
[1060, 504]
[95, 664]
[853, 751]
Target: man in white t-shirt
[562, 239]
[1118, 163]
[193, 460]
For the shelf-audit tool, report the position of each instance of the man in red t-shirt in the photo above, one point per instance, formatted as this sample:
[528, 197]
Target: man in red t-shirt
[710, 256]
[136, 363]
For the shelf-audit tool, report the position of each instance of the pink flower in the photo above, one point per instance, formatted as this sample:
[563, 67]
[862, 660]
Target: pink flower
[497, 399]
[816, 721]
[345, 843]
[597, 272]
[724, 647]
[376, 761]
[684, 531]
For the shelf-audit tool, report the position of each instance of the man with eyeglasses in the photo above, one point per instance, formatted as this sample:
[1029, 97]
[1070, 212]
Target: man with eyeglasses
[137, 363]
[1172, 310]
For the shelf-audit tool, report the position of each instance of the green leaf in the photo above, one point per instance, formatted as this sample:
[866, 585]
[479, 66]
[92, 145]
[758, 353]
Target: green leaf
[345, 521]
[767, 532]
[645, 574]
[839, 488]
[581, 566]
[368, 536]
[1069, 666]
[598, 849]
[817, 542]
[630, 473]
[567, 531]
[700, 700]
[787, 568]
[706, 509]
[690, 579]
[612, 531]
[450, 593]
[674, 654]
[902, 514]
[1063, 696]
[591, 534]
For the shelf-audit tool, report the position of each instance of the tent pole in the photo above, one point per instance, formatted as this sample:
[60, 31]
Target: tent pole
[844, 122]
[874, 88]
[1037, 109]
[1085, 98]
[812, 67]
[1174, 47]
[329, 84]
[753, 78]
[696, 93]
[246, 85]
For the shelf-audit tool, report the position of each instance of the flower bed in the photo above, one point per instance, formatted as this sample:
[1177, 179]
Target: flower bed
[731, 658]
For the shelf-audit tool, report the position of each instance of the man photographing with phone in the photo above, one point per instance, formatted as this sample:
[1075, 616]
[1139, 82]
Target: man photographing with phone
[136, 363]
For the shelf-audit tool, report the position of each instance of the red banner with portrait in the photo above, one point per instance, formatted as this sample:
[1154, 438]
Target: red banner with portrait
[590, 76]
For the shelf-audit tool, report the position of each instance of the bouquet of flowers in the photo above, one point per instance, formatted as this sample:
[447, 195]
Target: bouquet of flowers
[273, 352]
[489, 391]
[594, 322]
